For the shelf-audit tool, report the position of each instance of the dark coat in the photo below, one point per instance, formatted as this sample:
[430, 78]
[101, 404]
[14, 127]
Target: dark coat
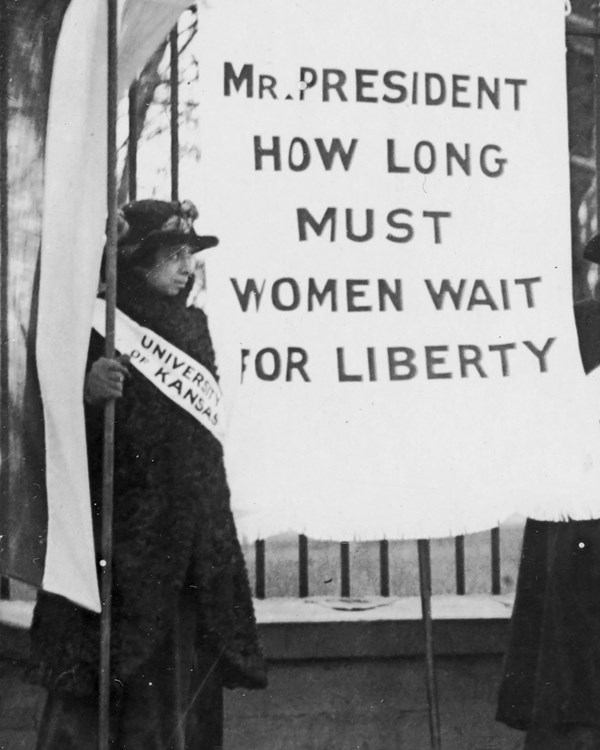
[173, 527]
[552, 667]
[587, 320]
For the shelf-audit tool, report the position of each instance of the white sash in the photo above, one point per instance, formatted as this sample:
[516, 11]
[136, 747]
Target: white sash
[186, 382]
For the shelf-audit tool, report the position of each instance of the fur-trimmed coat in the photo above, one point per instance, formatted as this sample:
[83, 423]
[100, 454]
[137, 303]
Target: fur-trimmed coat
[173, 527]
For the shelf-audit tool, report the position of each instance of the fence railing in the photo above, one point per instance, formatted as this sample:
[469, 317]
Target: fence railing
[384, 583]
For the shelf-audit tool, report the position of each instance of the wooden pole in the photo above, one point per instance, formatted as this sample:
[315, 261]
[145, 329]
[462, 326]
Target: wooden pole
[302, 566]
[132, 142]
[174, 82]
[496, 567]
[432, 696]
[345, 570]
[384, 567]
[459, 556]
[259, 549]
[4, 337]
[109, 410]
[596, 17]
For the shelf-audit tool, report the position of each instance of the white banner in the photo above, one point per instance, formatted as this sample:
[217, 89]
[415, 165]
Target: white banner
[176, 375]
[391, 297]
[72, 241]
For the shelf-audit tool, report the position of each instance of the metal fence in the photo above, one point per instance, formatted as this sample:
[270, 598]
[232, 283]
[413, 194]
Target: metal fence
[384, 588]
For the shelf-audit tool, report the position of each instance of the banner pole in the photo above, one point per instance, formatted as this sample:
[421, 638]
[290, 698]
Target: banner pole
[174, 110]
[432, 695]
[109, 410]
[596, 17]
[132, 142]
[4, 337]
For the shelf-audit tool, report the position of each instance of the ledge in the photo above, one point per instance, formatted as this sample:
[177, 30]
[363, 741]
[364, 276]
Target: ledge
[376, 608]
[321, 628]
[376, 628]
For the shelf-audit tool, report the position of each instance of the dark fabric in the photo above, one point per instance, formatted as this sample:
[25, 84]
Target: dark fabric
[551, 680]
[563, 738]
[587, 319]
[552, 669]
[29, 31]
[174, 702]
[172, 526]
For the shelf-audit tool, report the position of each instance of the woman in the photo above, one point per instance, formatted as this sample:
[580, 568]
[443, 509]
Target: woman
[551, 682]
[183, 623]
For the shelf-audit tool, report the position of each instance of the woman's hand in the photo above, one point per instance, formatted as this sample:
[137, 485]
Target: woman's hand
[105, 379]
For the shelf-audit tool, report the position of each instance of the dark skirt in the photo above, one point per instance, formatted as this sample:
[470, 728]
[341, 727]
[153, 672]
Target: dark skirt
[174, 702]
[551, 681]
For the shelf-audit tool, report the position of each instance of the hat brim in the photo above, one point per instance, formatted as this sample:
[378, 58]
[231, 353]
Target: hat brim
[591, 251]
[167, 237]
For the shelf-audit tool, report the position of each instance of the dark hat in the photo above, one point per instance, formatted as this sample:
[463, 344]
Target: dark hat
[147, 224]
[591, 251]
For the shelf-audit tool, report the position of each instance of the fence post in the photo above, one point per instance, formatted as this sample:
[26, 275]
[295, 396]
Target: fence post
[384, 567]
[302, 566]
[459, 556]
[345, 569]
[259, 547]
[495, 550]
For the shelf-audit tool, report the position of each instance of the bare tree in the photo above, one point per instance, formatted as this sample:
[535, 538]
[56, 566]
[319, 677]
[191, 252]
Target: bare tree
[153, 94]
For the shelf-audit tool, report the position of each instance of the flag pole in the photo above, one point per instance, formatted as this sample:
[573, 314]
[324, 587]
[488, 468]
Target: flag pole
[174, 111]
[596, 18]
[4, 337]
[424, 550]
[109, 409]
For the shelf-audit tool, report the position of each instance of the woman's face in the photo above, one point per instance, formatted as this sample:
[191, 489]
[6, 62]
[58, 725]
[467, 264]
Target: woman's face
[171, 270]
